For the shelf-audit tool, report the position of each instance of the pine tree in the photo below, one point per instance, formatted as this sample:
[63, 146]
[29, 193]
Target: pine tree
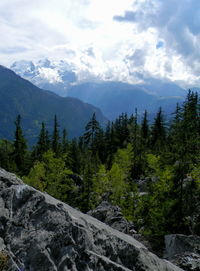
[191, 121]
[6, 150]
[176, 146]
[91, 129]
[20, 147]
[145, 132]
[158, 133]
[121, 130]
[65, 142]
[43, 142]
[56, 138]
[99, 145]
[75, 161]
[110, 143]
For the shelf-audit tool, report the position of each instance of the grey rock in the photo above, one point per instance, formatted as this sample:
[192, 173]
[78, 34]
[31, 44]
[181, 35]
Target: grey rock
[42, 233]
[183, 251]
[112, 216]
[2, 245]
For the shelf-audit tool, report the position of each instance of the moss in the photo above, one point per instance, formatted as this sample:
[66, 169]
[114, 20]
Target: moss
[3, 261]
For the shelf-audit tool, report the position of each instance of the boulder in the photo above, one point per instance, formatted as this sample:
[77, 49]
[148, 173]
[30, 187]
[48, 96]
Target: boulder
[40, 233]
[112, 216]
[183, 251]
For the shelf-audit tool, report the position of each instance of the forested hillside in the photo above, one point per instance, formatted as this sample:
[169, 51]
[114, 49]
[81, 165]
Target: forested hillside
[151, 171]
[19, 96]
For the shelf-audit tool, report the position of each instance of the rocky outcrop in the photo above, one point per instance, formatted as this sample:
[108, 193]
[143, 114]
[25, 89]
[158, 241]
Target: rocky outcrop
[112, 216]
[38, 232]
[184, 251]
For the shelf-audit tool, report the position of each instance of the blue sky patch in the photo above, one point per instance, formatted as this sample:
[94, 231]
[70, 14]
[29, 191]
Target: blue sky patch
[160, 44]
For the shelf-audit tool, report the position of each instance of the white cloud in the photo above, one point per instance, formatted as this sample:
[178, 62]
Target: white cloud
[177, 24]
[151, 37]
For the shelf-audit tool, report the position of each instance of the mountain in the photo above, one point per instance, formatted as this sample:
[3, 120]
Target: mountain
[196, 89]
[162, 88]
[39, 232]
[58, 76]
[115, 97]
[19, 96]
[111, 97]
[45, 74]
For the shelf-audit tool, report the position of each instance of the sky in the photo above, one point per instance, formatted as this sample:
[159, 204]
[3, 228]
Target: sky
[124, 40]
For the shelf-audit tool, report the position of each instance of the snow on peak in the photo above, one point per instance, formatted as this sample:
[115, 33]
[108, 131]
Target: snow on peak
[24, 68]
[47, 74]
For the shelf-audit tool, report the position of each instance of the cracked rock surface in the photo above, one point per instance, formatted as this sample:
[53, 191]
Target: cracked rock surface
[39, 232]
[183, 250]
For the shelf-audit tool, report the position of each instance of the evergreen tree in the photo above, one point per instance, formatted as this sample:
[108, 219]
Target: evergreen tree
[99, 145]
[191, 120]
[20, 147]
[74, 162]
[65, 142]
[158, 133]
[145, 132]
[87, 195]
[110, 143]
[56, 138]
[43, 142]
[121, 130]
[6, 150]
[91, 129]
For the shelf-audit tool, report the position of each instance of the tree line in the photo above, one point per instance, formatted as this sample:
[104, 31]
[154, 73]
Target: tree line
[151, 170]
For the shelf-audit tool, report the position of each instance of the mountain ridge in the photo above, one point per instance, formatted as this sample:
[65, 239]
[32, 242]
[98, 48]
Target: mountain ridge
[19, 96]
[116, 97]
[112, 97]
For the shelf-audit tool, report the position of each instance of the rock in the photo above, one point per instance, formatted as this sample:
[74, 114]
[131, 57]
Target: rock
[183, 250]
[2, 245]
[112, 216]
[40, 233]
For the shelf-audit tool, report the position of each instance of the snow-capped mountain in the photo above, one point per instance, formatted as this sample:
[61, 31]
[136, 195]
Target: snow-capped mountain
[60, 76]
[112, 97]
[55, 76]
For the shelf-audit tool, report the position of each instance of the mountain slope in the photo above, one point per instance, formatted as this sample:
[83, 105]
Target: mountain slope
[19, 96]
[111, 97]
[114, 98]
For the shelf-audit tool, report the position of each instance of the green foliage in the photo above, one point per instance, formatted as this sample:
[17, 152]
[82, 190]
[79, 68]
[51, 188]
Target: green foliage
[145, 132]
[6, 151]
[101, 183]
[43, 143]
[51, 175]
[158, 132]
[110, 164]
[19, 96]
[195, 174]
[154, 207]
[20, 148]
[56, 145]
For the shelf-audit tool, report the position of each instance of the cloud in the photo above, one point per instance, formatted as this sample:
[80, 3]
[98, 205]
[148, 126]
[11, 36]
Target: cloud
[120, 40]
[129, 16]
[137, 57]
[13, 50]
[177, 24]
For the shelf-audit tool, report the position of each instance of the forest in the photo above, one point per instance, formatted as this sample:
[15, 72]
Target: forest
[150, 170]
